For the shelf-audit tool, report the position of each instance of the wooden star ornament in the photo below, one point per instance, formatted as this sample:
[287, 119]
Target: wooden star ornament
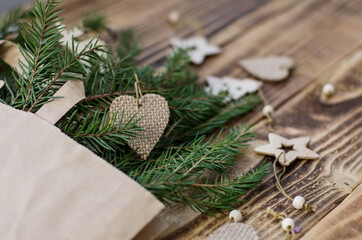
[298, 150]
[237, 88]
[198, 47]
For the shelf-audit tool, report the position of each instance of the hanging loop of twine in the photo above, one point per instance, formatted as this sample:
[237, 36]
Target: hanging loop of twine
[138, 90]
[276, 215]
[278, 185]
[309, 207]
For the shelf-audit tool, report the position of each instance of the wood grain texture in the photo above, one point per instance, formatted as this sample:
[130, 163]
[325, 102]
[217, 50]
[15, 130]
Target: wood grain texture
[324, 39]
[344, 222]
[336, 134]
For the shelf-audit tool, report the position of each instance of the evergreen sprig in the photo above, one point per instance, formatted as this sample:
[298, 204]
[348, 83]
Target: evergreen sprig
[195, 173]
[47, 65]
[188, 165]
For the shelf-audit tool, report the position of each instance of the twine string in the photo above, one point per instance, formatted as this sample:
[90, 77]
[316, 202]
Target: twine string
[278, 178]
[278, 185]
[276, 215]
[138, 90]
[290, 233]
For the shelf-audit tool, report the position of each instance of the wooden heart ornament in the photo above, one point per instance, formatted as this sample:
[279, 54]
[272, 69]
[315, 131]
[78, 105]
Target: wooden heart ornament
[272, 68]
[154, 113]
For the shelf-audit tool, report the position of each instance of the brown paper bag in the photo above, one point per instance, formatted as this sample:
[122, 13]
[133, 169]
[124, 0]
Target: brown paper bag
[53, 188]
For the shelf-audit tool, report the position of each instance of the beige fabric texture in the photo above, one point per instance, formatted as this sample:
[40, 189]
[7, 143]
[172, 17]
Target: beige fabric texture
[234, 231]
[54, 188]
[69, 94]
[154, 112]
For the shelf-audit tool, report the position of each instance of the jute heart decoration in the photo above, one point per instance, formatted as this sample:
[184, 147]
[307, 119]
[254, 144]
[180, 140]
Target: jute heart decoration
[154, 113]
[234, 231]
[273, 68]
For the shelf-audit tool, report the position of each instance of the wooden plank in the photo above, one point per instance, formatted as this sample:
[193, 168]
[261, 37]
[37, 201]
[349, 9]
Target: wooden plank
[317, 34]
[332, 42]
[149, 18]
[336, 134]
[344, 222]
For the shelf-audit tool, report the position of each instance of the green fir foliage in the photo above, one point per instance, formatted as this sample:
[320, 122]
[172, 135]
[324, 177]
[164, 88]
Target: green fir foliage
[189, 165]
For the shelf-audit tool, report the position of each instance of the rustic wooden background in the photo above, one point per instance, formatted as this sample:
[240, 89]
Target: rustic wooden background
[325, 39]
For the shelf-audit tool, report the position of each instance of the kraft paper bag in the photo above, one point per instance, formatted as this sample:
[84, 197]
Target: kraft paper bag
[51, 187]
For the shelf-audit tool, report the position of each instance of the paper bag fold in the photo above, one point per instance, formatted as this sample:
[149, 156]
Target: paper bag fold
[68, 95]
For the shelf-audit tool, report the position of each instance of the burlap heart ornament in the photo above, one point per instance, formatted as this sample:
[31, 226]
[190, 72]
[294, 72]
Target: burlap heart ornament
[234, 231]
[272, 68]
[154, 113]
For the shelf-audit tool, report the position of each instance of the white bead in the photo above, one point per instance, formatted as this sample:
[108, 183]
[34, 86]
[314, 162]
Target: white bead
[288, 223]
[328, 90]
[236, 216]
[298, 202]
[173, 17]
[267, 110]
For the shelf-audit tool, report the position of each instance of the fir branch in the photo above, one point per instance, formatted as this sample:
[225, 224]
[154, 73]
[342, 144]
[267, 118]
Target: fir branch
[47, 65]
[231, 111]
[67, 64]
[179, 174]
[97, 131]
[41, 37]
[106, 95]
[214, 194]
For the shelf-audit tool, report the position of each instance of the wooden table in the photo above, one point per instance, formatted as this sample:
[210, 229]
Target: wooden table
[325, 39]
